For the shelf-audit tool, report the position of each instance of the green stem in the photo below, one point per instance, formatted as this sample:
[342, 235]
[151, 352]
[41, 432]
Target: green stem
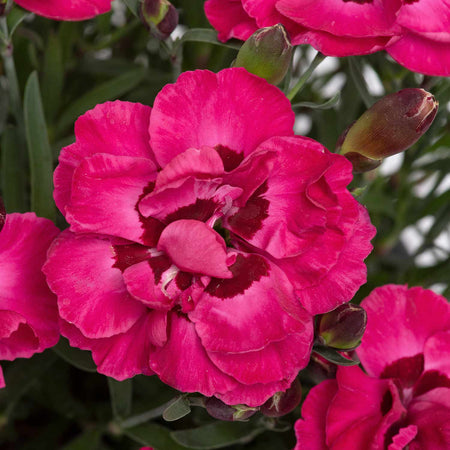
[305, 77]
[138, 419]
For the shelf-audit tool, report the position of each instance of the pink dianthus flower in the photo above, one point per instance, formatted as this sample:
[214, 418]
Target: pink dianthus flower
[66, 9]
[402, 400]
[28, 311]
[415, 33]
[203, 237]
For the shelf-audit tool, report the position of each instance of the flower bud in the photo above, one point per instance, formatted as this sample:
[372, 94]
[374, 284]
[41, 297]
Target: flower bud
[219, 410]
[343, 327]
[160, 16]
[390, 126]
[283, 403]
[266, 53]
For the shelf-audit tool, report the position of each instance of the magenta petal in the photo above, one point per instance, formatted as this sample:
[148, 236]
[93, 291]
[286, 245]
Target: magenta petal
[436, 353]
[184, 364]
[121, 356]
[340, 46]
[232, 108]
[258, 290]
[66, 9]
[91, 292]
[430, 413]
[399, 322]
[24, 241]
[403, 438]
[437, 13]
[229, 19]
[9, 322]
[422, 54]
[350, 18]
[150, 282]
[311, 429]
[201, 163]
[116, 128]
[196, 248]
[105, 192]
[22, 343]
[362, 410]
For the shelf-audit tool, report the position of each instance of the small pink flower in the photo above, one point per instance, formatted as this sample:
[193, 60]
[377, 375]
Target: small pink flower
[66, 9]
[203, 237]
[403, 399]
[415, 33]
[28, 312]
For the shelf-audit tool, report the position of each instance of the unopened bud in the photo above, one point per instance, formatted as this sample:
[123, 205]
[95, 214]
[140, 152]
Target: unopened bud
[219, 410]
[266, 53]
[160, 16]
[283, 403]
[343, 327]
[390, 126]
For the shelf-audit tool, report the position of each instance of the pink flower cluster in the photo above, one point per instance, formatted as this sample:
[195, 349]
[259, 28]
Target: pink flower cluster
[203, 237]
[66, 9]
[416, 33]
[28, 312]
[402, 400]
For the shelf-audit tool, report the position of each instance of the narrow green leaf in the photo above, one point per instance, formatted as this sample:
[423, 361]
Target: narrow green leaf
[121, 393]
[360, 82]
[109, 90]
[333, 101]
[89, 440]
[13, 174]
[206, 35]
[4, 100]
[177, 409]
[79, 358]
[53, 77]
[153, 435]
[15, 18]
[334, 356]
[305, 76]
[217, 435]
[133, 6]
[39, 151]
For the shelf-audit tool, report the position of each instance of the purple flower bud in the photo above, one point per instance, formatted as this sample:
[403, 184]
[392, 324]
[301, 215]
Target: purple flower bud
[283, 403]
[266, 53]
[219, 410]
[343, 327]
[390, 126]
[160, 16]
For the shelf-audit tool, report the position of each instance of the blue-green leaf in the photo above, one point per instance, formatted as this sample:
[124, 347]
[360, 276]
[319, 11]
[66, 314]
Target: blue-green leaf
[121, 393]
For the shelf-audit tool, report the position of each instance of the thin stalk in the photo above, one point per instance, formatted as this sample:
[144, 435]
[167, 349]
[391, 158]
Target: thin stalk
[305, 76]
[139, 419]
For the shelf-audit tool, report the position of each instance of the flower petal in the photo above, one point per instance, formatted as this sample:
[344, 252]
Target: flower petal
[121, 356]
[105, 192]
[116, 128]
[24, 241]
[229, 19]
[399, 322]
[66, 9]
[91, 292]
[194, 247]
[232, 111]
[184, 364]
[311, 429]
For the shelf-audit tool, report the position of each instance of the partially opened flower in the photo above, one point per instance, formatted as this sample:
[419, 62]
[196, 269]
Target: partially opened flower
[203, 236]
[403, 399]
[28, 311]
[415, 33]
[66, 9]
